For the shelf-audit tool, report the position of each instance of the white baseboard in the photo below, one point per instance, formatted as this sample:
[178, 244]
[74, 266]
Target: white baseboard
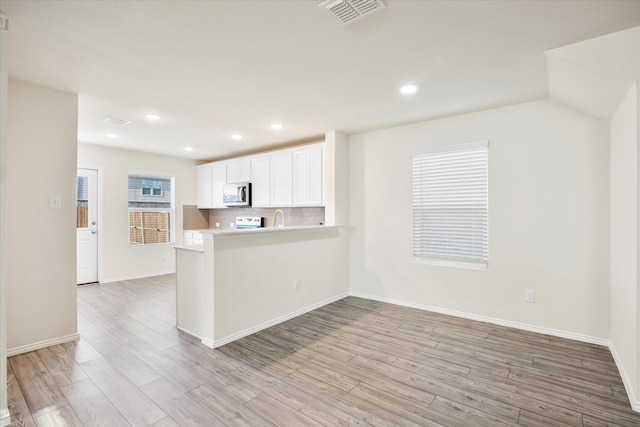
[5, 419]
[633, 399]
[270, 323]
[42, 344]
[501, 322]
[208, 343]
[186, 331]
[136, 276]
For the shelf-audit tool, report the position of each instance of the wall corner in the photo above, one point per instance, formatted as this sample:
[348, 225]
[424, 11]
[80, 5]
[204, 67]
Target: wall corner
[4, 72]
[336, 178]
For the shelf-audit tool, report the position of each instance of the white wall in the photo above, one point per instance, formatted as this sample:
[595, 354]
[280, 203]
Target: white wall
[624, 235]
[252, 276]
[336, 178]
[41, 242]
[548, 218]
[4, 76]
[119, 260]
[637, 383]
[611, 64]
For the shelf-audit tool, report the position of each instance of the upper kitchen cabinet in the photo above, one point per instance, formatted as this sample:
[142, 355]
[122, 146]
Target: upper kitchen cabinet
[282, 178]
[308, 176]
[261, 181]
[212, 178]
[219, 176]
[205, 186]
[239, 170]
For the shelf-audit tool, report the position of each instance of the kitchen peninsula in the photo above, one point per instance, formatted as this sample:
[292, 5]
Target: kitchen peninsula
[239, 282]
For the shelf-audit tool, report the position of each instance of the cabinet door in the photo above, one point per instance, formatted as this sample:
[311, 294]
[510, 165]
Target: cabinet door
[205, 189]
[300, 177]
[316, 175]
[261, 181]
[308, 182]
[239, 170]
[282, 179]
[219, 180]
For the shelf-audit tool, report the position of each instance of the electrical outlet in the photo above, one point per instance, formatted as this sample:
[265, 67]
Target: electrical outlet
[296, 284]
[55, 201]
[4, 22]
[529, 295]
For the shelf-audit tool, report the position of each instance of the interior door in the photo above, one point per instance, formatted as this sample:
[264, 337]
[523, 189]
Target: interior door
[87, 225]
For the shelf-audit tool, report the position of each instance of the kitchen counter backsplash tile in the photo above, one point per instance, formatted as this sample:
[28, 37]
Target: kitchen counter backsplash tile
[194, 218]
[294, 216]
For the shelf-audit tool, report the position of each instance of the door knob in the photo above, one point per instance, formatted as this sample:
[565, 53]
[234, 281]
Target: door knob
[94, 231]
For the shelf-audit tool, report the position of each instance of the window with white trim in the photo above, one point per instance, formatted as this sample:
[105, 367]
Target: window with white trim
[451, 205]
[151, 209]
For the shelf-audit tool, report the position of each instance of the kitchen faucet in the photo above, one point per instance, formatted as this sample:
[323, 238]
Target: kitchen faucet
[275, 215]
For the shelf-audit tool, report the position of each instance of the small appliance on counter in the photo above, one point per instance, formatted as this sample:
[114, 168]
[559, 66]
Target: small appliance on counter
[249, 222]
[237, 194]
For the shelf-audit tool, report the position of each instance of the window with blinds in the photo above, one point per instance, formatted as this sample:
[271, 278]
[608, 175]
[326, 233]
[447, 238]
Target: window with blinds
[151, 209]
[450, 205]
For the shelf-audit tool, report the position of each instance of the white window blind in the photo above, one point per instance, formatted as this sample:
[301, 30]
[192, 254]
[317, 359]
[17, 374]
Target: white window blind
[450, 205]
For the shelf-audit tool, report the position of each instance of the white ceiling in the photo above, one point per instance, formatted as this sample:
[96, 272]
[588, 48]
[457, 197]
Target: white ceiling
[213, 68]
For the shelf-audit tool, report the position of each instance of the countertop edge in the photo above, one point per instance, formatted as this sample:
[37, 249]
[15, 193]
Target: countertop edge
[217, 234]
[192, 248]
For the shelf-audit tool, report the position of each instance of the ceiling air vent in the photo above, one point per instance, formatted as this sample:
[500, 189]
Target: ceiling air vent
[116, 121]
[348, 11]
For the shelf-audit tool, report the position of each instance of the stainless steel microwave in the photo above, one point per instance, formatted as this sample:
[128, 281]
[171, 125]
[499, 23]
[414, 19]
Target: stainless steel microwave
[237, 194]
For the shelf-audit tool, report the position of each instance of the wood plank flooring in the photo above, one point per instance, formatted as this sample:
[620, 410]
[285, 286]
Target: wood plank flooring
[353, 362]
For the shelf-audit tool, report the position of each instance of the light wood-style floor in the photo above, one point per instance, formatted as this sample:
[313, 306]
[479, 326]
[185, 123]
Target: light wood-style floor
[354, 362]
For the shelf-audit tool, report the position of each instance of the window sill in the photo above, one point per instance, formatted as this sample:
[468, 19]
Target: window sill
[455, 264]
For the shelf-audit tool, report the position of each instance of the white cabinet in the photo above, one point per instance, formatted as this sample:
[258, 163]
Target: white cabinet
[289, 177]
[308, 177]
[239, 170]
[219, 180]
[261, 181]
[212, 177]
[282, 178]
[204, 189]
[192, 237]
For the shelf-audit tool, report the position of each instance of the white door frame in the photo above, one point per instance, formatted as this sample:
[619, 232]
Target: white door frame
[100, 212]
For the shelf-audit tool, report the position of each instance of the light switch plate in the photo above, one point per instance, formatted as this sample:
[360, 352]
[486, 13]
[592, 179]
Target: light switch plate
[55, 201]
[529, 295]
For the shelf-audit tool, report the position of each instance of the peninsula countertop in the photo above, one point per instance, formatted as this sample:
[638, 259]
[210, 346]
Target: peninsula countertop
[222, 233]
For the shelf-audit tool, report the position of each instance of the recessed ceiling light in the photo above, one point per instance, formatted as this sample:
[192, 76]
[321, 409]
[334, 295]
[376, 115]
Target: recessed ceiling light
[408, 89]
[236, 136]
[188, 149]
[276, 126]
[112, 135]
[116, 121]
[153, 117]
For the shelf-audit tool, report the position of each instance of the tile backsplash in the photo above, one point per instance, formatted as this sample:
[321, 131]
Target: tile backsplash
[194, 218]
[294, 216]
